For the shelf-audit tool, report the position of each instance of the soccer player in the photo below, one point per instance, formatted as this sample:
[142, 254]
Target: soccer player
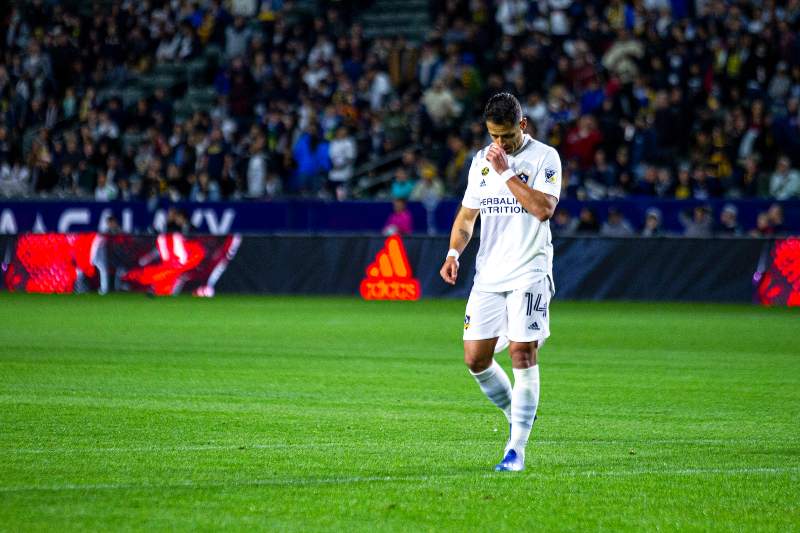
[514, 186]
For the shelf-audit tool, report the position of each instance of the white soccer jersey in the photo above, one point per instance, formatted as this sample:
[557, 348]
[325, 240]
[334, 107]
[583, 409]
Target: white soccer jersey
[516, 248]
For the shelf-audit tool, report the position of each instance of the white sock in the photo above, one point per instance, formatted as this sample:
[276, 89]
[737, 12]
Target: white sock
[496, 386]
[524, 400]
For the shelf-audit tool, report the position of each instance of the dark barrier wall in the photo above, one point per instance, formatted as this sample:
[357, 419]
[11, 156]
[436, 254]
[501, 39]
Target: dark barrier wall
[584, 268]
[316, 216]
[723, 270]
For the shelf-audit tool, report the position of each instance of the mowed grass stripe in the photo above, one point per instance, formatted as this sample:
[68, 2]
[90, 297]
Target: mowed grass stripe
[287, 445]
[768, 471]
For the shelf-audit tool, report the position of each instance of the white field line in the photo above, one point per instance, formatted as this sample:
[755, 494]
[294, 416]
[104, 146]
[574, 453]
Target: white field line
[283, 445]
[289, 482]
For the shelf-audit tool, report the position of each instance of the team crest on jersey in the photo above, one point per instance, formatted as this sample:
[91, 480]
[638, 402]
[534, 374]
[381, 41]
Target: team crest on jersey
[523, 177]
[466, 321]
[484, 171]
[549, 175]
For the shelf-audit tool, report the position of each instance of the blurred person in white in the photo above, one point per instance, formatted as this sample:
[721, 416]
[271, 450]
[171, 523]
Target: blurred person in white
[699, 224]
[511, 15]
[105, 191]
[652, 223]
[244, 8]
[440, 104]
[15, 178]
[169, 44]
[342, 151]
[380, 87]
[237, 38]
[559, 19]
[785, 181]
[256, 168]
[616, 225]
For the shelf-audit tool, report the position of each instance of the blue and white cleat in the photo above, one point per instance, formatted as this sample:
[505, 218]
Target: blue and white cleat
[512, 462]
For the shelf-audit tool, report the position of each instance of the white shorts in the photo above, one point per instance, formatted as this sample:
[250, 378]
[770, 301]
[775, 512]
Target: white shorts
[522, 315]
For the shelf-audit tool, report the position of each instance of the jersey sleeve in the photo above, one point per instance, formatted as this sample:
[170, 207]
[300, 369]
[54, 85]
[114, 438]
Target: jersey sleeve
[472, 198]
[548, 179]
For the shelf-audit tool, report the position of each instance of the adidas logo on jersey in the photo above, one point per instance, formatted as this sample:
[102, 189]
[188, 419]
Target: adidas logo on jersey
[483, 183]
[534, 326]
[390, 277]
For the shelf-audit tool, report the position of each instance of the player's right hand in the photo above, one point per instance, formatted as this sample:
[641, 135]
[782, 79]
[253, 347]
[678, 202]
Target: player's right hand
[449, 271]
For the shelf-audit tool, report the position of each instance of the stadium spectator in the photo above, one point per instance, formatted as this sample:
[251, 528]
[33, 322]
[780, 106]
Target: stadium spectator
[237, 38]
[273, 187]
[399, 221]
[623, 55]
[429, 189]
[616, 225]
[699, 224]
[511, 16]
[14, 178]
[563, 224]
[582, 141]
[440, 105]
[600, 176]
[748, 180]
[459, 159]
[343, 152]
[652, 223]
[402, 186]
[728, 223]
[204, 189]
[683, 187]
[177, 221]
[587, 222]
[256, 168]
[311, 153]
[763, 227]
[111, 226]
[775, 217]
[646, 186]
[104, 191]
[785, 181]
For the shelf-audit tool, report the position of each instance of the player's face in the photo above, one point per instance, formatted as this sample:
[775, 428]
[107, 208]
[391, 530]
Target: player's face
[508, 136]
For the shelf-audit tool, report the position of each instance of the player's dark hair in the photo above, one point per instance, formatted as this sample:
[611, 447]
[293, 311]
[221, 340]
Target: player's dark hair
[503, 108]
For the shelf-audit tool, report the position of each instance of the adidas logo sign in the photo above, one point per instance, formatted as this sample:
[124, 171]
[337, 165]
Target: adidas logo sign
[534, 326]
[389, 277]
[483, 183]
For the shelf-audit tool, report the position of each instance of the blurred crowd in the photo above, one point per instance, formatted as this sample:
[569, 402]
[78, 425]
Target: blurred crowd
[657, 98]
[699, 221]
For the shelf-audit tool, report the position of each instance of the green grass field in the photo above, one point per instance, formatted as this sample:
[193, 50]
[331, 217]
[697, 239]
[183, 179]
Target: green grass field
[306, 414]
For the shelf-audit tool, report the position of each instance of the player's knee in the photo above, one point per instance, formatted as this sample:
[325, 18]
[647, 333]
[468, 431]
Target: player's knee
[523, 355]
[476, 362]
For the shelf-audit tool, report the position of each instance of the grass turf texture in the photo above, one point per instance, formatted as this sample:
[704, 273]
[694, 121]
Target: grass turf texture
[307, 414]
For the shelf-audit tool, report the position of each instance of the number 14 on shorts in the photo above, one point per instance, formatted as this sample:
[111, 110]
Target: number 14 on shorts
[536, 305]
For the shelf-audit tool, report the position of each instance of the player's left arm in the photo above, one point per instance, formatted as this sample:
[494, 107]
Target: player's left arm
[539, 200]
